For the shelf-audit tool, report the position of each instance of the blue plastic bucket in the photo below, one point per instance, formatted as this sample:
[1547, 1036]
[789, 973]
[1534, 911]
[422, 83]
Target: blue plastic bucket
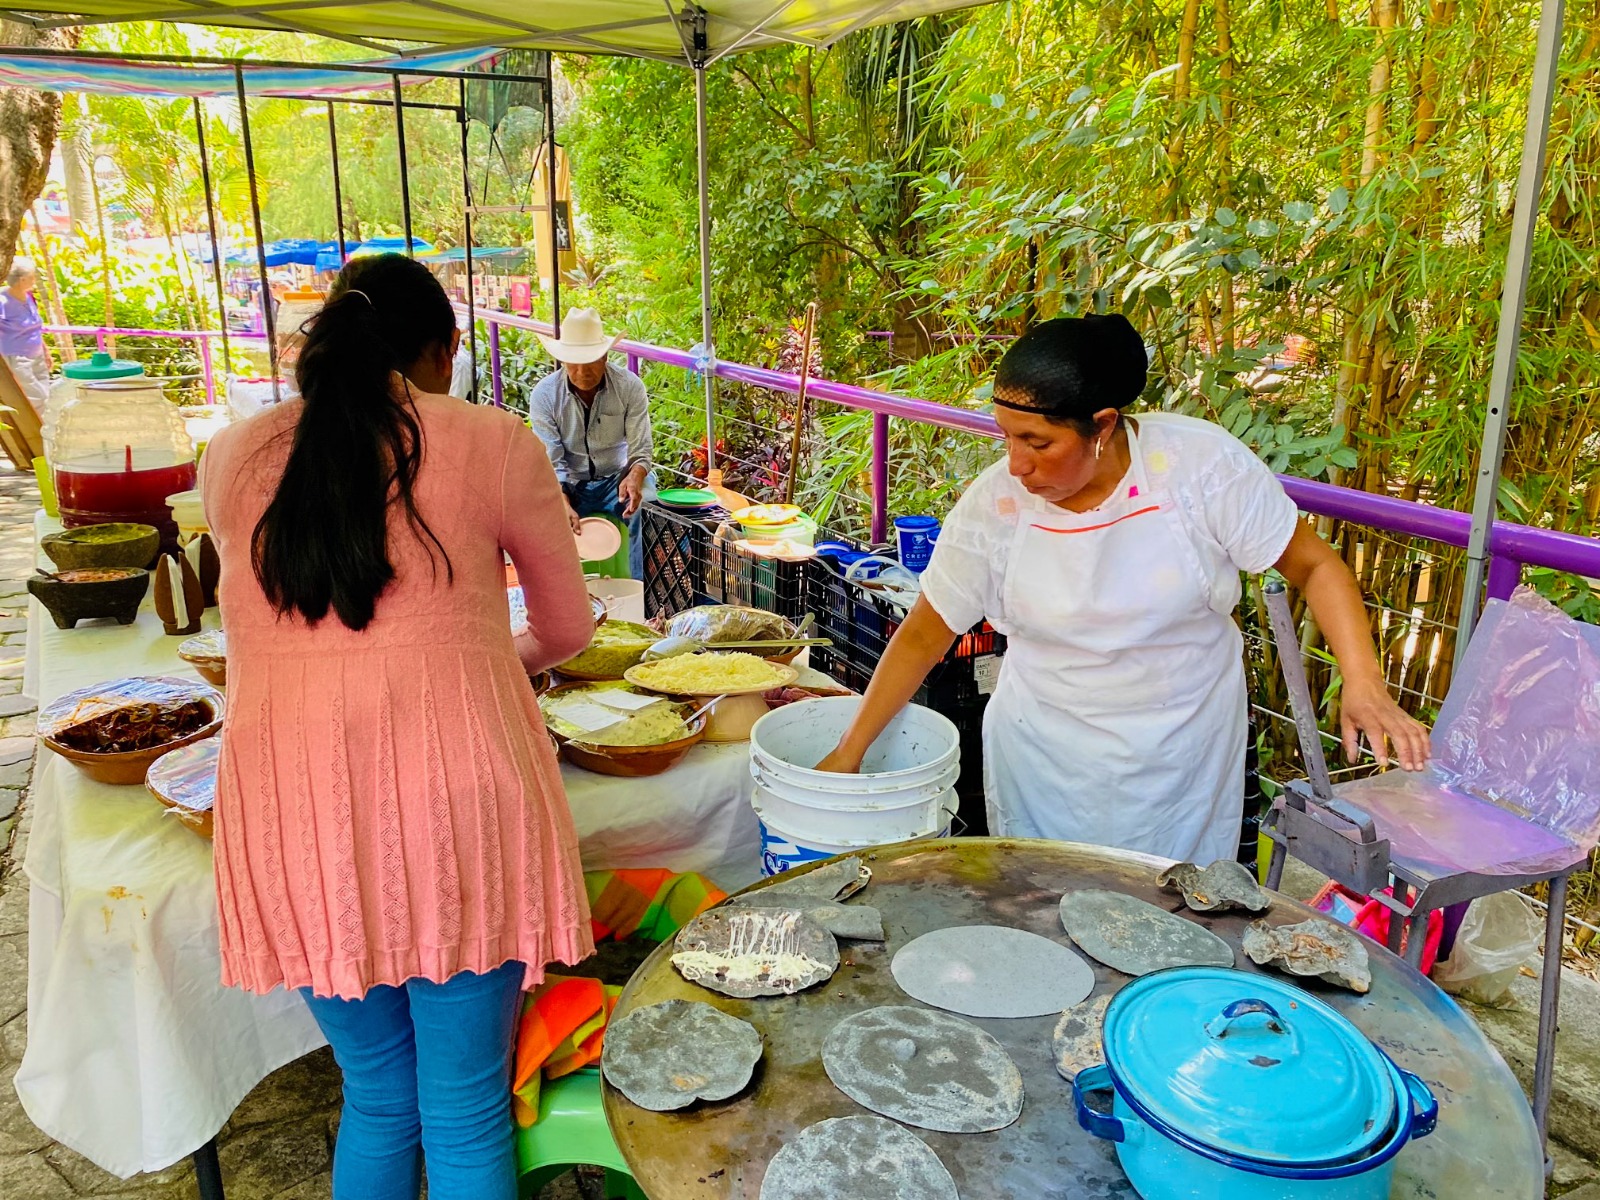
[782, 851]
[916, 537]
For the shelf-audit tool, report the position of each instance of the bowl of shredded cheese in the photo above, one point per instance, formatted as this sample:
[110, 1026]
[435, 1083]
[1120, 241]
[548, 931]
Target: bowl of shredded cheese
[728, 674]
[614, 729]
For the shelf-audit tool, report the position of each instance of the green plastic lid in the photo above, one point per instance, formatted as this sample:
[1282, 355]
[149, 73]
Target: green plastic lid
[102, 366]
[687, 497]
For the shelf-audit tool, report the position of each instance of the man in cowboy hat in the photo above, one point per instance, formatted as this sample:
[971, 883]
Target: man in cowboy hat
[594, 419]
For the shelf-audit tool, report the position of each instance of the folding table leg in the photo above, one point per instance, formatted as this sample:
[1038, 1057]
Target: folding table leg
[208, 1171]
[1549, 1003]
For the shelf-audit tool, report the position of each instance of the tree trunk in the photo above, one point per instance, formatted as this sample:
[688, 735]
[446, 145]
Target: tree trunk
[28, 122]
[77, 159]
[51, 288]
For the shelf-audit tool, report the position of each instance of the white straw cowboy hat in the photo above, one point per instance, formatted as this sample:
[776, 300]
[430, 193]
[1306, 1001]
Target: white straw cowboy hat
[582, 339]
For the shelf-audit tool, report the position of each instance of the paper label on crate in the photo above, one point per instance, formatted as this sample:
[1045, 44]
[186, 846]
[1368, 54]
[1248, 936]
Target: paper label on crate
[624, 701]
[986, 672]
[587, 716]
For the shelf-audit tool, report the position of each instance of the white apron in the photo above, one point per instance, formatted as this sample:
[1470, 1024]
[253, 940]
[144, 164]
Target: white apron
[1119, 719]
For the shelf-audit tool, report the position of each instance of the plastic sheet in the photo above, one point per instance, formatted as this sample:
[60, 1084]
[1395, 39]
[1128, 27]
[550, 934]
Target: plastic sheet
[1514, 785]
[1521, 726]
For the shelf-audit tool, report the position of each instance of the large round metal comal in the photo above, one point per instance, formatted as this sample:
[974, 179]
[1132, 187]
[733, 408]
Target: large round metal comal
[1485, 1145]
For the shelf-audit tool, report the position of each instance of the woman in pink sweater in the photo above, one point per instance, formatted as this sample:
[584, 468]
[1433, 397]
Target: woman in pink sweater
[392, 836]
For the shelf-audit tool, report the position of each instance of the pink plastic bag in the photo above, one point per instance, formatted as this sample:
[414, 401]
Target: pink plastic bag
[1370, 918]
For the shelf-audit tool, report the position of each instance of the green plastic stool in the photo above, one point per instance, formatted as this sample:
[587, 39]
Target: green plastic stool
[571, 1132]
[615, 567]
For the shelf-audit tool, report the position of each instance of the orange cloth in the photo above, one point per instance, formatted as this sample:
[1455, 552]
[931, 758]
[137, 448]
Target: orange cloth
[563, 1023]
[562, 1029]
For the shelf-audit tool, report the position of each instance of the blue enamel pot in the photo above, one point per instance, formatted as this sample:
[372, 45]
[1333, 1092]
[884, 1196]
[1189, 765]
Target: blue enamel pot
[1226, 1086]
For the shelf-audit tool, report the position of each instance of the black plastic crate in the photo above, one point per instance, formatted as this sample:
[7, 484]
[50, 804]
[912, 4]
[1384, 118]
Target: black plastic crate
[686, 565]
[861, 621]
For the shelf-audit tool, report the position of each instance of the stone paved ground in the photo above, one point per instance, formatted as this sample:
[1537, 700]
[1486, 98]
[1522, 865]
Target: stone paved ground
[279, 1143]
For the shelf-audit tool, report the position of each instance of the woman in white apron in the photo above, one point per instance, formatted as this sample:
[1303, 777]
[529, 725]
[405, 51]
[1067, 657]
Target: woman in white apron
[1108, 550]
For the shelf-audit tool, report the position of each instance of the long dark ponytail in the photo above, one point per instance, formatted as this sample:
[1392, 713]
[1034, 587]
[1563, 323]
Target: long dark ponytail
[323, 542]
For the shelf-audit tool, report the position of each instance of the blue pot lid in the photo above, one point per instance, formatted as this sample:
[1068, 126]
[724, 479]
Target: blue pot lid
[1249, 1066]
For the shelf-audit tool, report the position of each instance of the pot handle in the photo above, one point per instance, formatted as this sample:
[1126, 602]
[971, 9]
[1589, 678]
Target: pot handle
[1424, 1106]
[1096, 1079]
[1245, 1008]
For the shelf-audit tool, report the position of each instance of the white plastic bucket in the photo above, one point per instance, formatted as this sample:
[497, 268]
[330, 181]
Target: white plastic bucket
[815, 794]
[819, 826]
[624, 598]
[781, 851]
[916, 750]
[906, 791]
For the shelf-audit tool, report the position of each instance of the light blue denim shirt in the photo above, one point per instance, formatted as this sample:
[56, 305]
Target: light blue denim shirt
[607, 438]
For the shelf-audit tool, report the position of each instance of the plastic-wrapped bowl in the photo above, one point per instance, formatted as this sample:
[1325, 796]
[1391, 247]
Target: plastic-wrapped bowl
[186, 782]
[102, 700]
[207, 653]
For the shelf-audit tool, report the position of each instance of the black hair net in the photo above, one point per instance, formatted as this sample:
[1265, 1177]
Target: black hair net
[1072, 367]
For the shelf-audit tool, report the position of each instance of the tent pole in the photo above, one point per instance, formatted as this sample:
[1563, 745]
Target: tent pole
[211, 223]
[466, 225]
[400, 141]
[1513, 301]
[702, 170]
[267, 316]
[552, 193]
[338, 190]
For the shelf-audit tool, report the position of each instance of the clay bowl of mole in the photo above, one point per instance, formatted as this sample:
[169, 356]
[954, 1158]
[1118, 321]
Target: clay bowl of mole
[128, 766]
[91, 592]
[118, 544]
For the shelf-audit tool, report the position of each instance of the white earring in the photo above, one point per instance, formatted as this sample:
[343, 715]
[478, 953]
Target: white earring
[1098, 446]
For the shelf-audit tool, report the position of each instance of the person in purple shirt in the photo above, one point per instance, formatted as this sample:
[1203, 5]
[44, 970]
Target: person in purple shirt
[22, 334]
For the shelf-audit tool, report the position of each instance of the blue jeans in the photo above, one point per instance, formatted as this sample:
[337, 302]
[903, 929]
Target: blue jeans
[599, 497]
[427, 1066]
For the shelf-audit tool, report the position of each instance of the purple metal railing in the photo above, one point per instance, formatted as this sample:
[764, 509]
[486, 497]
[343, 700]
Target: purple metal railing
[1513, 546]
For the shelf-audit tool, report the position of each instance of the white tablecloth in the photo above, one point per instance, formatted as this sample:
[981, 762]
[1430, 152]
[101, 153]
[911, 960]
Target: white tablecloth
[136, 1054]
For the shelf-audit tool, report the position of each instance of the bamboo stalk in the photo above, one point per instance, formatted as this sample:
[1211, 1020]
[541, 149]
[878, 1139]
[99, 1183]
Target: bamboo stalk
[800, 401]
[1187, 34]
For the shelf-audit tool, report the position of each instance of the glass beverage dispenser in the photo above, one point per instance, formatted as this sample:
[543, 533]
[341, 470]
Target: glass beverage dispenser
[120, 450]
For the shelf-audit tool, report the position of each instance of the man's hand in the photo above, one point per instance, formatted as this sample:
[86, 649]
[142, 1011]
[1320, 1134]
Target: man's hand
[574, 520]
[631, 491]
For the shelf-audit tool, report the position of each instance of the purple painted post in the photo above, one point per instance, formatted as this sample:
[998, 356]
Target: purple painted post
[880, 478]
[494, 365]
[1505, 573]
[205, 369]
[633, 363]
[99, 339]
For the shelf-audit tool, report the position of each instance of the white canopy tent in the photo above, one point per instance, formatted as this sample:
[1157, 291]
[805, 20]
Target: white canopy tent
[640, 28]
